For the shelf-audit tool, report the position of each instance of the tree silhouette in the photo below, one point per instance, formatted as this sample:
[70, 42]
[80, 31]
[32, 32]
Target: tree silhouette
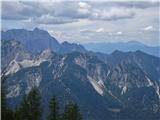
[6, 113]
[72, 112]
[30, 108]
[54, 109]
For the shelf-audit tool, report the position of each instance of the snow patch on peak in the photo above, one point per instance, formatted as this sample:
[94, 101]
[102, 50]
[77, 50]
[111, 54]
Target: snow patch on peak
[62, 61]
[96, 85]
[149, 81]
[124, 89]
[157, 90]
[108, 72]
[101, 83]
[37, 81]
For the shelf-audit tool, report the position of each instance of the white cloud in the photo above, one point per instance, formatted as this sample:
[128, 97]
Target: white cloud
[84, 5]
[83, 11]
[72, 10]
[56, 34]
[149, 28]
[113, 13]
[100, 30]
[119, 33]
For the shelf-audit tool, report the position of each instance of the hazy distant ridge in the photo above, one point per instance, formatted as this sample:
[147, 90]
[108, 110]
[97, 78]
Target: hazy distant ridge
[125, 47]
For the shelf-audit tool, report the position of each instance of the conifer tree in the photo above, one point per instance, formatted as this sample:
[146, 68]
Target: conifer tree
[23, 112]
[72, 112]
[76, 112]
[3, 98]
[34, 99]
[54, 109]
[6, 113]
[17, 114]
[30, 108]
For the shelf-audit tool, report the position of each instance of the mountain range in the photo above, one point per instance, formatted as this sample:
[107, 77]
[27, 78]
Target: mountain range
[38, 40]
[108, 48]
[116, 86]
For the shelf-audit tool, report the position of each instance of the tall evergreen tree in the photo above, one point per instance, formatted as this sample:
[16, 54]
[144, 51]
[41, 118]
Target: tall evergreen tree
[30, 108]
[23, 112]
[72, 112]
[6, 113]
[3, 97]
[77, 114]
[17, 114]
[54, 109]
[34, 102]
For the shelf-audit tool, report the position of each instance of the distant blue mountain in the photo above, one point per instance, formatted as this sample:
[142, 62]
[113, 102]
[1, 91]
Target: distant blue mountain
[125, 47]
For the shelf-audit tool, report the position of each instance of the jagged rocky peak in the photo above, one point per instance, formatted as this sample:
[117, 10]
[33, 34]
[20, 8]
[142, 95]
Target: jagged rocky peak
[37, 29]
[34, 40]
[65, 43]
[67, 47]
[37, 40]
[69, 44]
[48, 53]
[40, 31]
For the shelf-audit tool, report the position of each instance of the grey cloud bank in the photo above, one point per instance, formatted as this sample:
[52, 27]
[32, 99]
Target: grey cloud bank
[116, 21]
[72, 10]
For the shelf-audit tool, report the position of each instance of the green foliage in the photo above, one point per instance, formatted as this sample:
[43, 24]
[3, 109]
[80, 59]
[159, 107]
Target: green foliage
[30, 108]
[17, 114]
[72, 112]
[6, 113]
[3, 96]
[54, 109]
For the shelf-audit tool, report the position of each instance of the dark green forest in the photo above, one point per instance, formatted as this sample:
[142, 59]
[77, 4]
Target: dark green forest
[31, 108]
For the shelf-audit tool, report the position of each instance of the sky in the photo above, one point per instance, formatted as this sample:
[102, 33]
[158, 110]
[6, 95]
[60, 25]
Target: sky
[86, 21]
